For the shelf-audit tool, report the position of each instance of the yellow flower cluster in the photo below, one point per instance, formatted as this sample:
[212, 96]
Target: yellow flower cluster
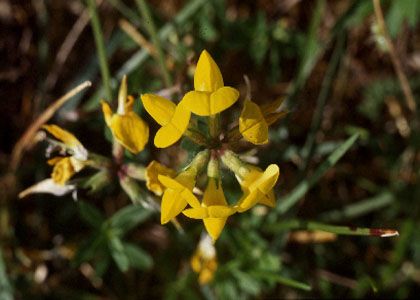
[209, 98]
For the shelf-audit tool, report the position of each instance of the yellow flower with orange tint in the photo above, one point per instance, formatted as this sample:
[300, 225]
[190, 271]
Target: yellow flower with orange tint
[153, 170]
[64, 168]
[204, 260]
[126, 126]
[174, 119]
[210, 96]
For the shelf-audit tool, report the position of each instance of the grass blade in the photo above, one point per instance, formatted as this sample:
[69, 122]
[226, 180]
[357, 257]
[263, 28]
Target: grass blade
[6, 292]
[303, 187]
[100, 47]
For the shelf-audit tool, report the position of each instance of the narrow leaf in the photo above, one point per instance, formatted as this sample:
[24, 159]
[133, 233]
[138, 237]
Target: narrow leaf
[90, 214]
[137, 257]
[129, 217]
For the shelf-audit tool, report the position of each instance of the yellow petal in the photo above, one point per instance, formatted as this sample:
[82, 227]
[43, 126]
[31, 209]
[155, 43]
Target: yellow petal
[220, 211]
[183, 191]
[249, 200]
[206, 104]
[130, 131]
[196, 213]
[214, 226]
[252, 124]
[269, 179]
[63, 135]
[268, 199]
[207, 76]
[170, 133]
[171, 206]
[152, 171]
[213, 195]
[107, 111]
[161, 109]
[63, 170]
[173, 202]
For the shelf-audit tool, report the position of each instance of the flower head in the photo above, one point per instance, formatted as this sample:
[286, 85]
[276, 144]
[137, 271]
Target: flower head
[71, 143]
[126, 126]
[64, 168]
[174, 119]
[204, 260]
[210, 96]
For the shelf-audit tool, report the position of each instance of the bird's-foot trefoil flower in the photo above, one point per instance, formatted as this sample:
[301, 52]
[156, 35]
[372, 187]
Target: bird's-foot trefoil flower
[178, 193]
[173, 118]
[210, 96]
[257, 185]
[126, 126]
[204, 260]
[214, 209]
[64, 167]
[153, 170]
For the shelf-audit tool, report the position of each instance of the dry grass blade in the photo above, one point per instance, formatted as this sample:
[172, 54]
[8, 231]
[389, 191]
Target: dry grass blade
[394, 57]
[136, 36]
[27, 137]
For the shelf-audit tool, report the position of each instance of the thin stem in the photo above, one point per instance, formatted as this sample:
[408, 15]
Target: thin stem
[309, 146]
[394, 57]
[100, 47]
[150, 25]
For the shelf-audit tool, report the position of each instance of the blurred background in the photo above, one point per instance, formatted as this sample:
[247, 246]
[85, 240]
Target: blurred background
[332, 62]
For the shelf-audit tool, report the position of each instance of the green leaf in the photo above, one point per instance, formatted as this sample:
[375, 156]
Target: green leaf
[303, 187]
[91, 215]
[89, 249]
[128, 217]
[118, 253]
[137, 257]
[283, 280]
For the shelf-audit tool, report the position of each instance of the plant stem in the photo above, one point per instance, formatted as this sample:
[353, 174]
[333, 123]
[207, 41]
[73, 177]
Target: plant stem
[100, 47]
[150, 25]
[394, 57]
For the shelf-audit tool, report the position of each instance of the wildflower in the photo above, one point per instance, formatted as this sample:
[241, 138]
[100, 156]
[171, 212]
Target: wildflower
[126, 126]
[254, 120]
[174, 119]
[178, 191]
[256, 184]
[204, 260]
[64, 167]
[252, 124]
[214, 209]
[210, 96]
[153, 170]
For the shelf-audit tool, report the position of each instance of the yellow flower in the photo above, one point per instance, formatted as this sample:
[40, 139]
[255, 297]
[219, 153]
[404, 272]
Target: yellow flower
[204, 260]
[177, 194]
[64, 168]
[70, 141]
[178, 191]
[210, 96]
[153, 170]
[252, 124]
[257, 186]
[254, 120]
[174, 119]
[126, 126]
[214, 209]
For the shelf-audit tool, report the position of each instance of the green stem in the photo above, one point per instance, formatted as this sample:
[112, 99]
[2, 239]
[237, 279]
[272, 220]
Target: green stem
[100, 47]
[343, 230]
[150, 25]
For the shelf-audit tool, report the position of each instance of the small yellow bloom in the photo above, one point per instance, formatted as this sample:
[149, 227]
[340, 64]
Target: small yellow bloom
[153, 170]
[126, 126]
[214, 209]
[177, 194]
[204, 260]
[257, 186]
[252, 124]
[64, 168]
[174, 119]
[210, 96]
[69, 140]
